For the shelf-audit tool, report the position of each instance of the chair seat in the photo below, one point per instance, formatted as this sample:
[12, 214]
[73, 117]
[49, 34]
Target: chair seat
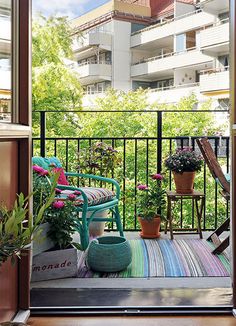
[95, 196]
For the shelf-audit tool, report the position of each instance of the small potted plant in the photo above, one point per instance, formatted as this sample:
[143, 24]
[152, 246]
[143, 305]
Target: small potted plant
[100, 159]
[150, 205]
[184, 163]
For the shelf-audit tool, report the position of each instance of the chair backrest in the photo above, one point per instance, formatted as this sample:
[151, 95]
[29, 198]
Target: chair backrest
[45, 162]
[212, 163]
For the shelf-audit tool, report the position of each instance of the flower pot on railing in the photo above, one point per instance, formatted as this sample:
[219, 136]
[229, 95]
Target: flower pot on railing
[184, 182]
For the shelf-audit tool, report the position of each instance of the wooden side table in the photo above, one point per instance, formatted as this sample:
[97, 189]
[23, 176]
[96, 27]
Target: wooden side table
[198, 199]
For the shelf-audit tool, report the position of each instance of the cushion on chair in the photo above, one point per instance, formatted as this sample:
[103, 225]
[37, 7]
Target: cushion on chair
[62, 178]
[95, 196]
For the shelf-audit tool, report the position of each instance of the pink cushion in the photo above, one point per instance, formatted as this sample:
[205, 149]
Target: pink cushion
[62, 178]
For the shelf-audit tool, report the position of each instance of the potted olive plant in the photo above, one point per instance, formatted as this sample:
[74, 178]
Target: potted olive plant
[18, 226]
[99, 159]
[184, 163]
[150, 206]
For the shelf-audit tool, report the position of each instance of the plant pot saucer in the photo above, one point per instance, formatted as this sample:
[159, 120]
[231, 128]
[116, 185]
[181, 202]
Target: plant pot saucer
[149, 236]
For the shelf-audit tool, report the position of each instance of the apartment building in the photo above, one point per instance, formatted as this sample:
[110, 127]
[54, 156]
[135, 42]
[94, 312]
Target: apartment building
[171, 47]
[5, 60]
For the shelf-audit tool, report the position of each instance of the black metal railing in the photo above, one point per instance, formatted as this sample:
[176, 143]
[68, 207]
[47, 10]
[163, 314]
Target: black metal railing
[140, 156]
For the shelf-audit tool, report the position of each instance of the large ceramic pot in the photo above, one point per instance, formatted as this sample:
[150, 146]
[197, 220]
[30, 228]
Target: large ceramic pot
[150, 228]
[184, 182]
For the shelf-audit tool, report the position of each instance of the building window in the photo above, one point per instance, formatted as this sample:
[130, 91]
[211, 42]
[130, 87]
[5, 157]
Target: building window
[180, 45]
[5, 61]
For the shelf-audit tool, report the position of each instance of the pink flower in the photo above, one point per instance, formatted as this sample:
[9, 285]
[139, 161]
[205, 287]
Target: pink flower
[77, 192]
[58, 191]
[44, 172]
[58, 204]
[156, 176]
[72, 197]
[38, 169]
[142, 187]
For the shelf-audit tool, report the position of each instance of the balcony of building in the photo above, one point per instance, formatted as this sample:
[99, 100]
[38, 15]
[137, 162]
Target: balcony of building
[215, 81]
[140, 155]
[215, 38]
[86, 45]
[165, 63]
[214, 6]
[167, 28]
[94, 71]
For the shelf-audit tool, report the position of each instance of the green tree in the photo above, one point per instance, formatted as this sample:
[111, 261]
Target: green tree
[55, 84]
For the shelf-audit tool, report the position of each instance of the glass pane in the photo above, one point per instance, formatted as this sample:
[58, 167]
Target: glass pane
[5, 60]
[180, 43]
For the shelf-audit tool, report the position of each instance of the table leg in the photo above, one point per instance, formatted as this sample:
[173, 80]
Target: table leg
[169, 217]
[199, 214]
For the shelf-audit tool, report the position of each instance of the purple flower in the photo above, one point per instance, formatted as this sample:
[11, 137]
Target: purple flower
[142, 187]
[71, 197]
[77, 192]
[58, 204]
[156, 176]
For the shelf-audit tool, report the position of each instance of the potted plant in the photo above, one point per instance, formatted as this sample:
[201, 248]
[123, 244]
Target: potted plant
[18, 226]
[61, 258]
[150, 205]
[184, 163]
[100, 159]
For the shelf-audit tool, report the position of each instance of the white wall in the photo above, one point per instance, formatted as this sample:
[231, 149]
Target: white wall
[184, 76]
[121, 55]
[182, 8]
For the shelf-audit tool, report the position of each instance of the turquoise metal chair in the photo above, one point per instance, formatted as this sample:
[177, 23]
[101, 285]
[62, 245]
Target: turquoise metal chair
[82, 221]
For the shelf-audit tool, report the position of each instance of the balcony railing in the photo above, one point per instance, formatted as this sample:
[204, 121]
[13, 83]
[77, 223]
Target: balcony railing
[166, 21]
[140, 156]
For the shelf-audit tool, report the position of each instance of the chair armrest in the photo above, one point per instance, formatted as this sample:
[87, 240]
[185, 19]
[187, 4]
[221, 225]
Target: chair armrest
[96, 177]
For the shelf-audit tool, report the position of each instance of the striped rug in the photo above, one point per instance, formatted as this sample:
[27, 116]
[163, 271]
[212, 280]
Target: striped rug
[166, 258]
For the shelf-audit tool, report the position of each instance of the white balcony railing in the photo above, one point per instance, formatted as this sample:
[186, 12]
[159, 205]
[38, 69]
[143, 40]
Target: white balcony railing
[104, 40]
[91, 72]
[170, 61]
[216, 34]
[181, 24]
[214, 80]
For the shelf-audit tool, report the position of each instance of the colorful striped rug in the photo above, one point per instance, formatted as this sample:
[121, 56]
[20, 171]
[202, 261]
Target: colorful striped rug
[166, 258]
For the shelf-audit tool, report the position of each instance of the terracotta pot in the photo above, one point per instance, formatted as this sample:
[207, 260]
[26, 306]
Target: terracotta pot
[150, 229]
[184, 182]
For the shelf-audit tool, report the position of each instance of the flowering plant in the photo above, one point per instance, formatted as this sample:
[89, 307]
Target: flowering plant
[61, 215]
[184, 160]
[100, 157]
[151, 200]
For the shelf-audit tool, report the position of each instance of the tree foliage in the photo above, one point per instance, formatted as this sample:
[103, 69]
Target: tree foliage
[55, 84]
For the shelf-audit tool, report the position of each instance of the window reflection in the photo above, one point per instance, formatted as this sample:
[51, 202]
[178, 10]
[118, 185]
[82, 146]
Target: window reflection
[5, 60]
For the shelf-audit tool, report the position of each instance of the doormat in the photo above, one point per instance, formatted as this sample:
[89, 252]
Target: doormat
[168, 258]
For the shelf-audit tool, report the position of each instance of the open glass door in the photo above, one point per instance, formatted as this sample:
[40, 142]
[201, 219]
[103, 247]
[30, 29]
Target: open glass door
[15, 143]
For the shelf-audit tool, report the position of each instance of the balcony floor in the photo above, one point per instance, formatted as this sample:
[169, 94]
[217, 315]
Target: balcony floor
[141, 283]
[130, 293]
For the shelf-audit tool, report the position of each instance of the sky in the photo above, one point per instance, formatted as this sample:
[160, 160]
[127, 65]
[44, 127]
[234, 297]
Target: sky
[70, 8]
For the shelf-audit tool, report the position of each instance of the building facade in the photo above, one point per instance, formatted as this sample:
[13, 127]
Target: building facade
[172, 47]
[5, 60]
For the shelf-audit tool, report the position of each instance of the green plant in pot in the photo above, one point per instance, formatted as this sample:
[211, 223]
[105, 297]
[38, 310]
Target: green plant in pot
[184, 163]
[18, 226]
[151, 206]
[99, 159]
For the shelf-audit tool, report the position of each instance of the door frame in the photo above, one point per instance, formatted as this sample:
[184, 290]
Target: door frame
[20, 128]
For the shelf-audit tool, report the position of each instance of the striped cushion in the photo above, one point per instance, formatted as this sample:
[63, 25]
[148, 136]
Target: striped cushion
[95, 196]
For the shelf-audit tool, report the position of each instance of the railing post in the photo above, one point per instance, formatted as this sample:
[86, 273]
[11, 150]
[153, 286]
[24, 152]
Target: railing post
[159, 141]
[42, 133]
